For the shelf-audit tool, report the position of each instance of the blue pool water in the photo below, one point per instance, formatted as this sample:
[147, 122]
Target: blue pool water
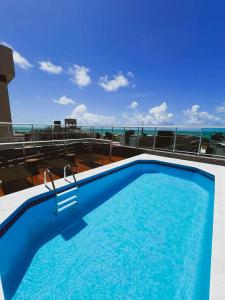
[148, 237]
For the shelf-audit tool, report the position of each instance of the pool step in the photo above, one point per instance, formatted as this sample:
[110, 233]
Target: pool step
[66, 199]
[75, 189]
[70, 204]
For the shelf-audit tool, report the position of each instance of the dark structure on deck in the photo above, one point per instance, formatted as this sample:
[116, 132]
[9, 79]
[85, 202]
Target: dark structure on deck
[7, 73]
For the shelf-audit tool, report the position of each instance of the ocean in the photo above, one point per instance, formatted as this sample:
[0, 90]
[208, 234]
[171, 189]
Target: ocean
[206, 132]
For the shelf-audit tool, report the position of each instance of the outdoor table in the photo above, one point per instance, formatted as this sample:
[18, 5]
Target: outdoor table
[31, 164]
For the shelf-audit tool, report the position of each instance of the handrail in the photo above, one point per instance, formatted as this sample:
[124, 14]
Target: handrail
[48, 172]
[67, 166]
[51, 141]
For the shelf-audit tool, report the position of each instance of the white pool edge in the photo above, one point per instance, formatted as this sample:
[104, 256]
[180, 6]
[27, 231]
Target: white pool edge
[10, 203]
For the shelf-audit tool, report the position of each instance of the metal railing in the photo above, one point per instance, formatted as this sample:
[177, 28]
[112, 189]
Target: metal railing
[65, 174]
[11, 151]
[48, 172]
[203, 141]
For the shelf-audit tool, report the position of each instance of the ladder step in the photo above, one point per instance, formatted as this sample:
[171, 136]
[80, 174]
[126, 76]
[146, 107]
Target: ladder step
[68, 191]
[67, 206]
[67, 200]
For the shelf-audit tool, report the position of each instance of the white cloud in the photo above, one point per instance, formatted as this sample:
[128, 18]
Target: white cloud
[157, 115]
[49, 67]
[84, 117]
[63, 100]
[114, 84]
[133, 104]
[221, 108]
[195, 117]
[21, 61]
[130, 74]
[80, 75]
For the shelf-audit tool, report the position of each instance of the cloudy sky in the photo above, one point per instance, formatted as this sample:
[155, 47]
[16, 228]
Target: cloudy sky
[120, 62]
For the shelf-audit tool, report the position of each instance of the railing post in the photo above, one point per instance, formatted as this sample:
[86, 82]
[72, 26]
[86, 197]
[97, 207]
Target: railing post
[67, 133]
[175, 138]
[154, 140]
[32, 132]
[91, 142]
[110, 149]
[200, 143]
[24, 154]
[47, 172]
[112, 134]
[52, 132]
[137, 140]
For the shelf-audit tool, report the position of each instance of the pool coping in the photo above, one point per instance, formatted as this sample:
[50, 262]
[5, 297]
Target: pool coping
[13, 205]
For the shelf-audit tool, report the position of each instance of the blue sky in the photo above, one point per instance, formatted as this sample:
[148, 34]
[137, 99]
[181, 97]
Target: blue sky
[117, 61]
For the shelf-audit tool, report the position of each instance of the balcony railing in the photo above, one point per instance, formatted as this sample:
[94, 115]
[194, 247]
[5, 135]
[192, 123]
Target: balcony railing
[203, 141]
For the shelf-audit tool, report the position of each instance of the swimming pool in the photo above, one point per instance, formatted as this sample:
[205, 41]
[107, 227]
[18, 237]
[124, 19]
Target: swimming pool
[141, 232]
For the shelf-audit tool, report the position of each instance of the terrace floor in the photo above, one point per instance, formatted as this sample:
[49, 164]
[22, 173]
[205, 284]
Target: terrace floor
[81, 167]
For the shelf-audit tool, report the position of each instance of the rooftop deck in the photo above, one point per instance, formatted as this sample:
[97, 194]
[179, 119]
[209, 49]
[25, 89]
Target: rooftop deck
[37, 179]
[26, 150]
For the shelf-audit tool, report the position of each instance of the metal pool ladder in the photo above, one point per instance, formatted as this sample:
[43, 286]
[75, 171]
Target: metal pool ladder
[65, 199]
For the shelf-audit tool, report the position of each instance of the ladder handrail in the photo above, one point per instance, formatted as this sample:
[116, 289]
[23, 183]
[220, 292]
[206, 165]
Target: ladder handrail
[49, 173]
[67, 166]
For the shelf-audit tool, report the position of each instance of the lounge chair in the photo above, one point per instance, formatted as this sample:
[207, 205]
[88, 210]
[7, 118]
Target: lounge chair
[14, 179]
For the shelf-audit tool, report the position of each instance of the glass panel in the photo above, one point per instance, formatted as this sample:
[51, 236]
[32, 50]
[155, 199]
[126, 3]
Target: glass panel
[20, 132]
[131, 136]
[59, 132]
[98, 132]
[188, 139]
[165, 138]
[118, 135]
[213, 141]
[146, 137]
[86, 132]
[107, 133]
[42, 132]
[73, 132]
